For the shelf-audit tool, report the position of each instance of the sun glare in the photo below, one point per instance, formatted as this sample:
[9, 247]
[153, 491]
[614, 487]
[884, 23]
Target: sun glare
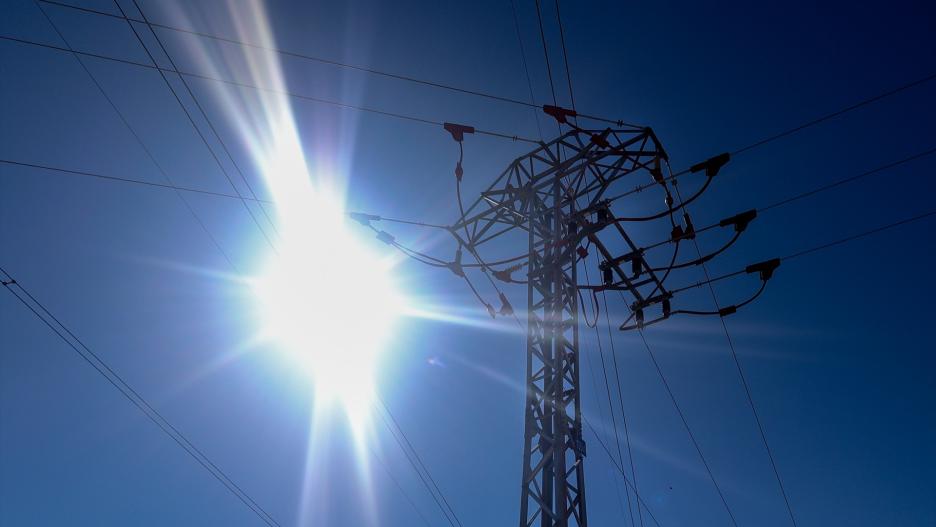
[329, 304]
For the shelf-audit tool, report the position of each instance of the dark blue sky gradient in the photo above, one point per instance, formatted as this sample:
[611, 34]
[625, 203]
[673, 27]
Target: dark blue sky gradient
[838, 351]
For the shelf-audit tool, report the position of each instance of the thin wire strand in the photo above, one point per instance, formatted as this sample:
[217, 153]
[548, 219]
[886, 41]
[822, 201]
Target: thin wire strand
[526, 68]
[790, 131]
[552, 86]
[743, 378]
[685, 423]
[565, 55]
[240, 84]
[188, 115]
[140, 182]
[418, 461]
[814, 249]
[303, 56]
[619, 468]
[604, 371]
[133, 396]
[860, 235]
[139, 140]
[617, 377]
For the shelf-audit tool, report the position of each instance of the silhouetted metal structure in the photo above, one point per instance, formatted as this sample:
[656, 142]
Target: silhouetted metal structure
[557, 202]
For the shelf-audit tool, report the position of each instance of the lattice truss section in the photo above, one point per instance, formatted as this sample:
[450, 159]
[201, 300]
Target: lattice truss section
[560, 202]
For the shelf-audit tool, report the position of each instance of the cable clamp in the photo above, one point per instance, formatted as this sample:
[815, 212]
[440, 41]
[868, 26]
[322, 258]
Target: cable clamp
[506, 309]
[362, 218]
[711, 165]
[456, 266]
[558, 113]
[458, 131]
[765, 268]
[740, 221]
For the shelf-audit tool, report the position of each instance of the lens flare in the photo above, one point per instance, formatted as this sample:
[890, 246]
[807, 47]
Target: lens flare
[323, 298]
[329, 304]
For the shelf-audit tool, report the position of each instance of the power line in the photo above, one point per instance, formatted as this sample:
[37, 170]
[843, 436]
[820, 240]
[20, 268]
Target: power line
[604, 371]
[95, 175]
[840, 182]
[191, 120]
[137, 138]
[860, 235]
[96, 362]
[743, 378]
[617, 377]
[685, 423]
[620, 469]
[399, 486]
[312, 58]
[526, 69]
[539, 17]
[240, 84]
[565, 55]
[790, 131]
[814, 249]
[416, 462]
[211, 125]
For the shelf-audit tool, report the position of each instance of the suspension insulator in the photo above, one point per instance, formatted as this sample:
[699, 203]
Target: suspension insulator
[657, 172]
[386, 237]
[639, 316]
[667, 308]
[677, 233]
[607, 275]
[502, 275]
[636, 266]
[690, 229]
[506, 309]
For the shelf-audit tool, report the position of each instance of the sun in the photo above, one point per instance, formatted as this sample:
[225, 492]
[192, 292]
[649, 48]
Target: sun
[328, 303]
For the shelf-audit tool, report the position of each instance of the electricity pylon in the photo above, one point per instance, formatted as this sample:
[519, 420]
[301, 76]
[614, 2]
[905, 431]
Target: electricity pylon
[557, 203]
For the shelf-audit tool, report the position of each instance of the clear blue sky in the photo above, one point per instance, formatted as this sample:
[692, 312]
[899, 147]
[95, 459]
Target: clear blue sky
[838, 351]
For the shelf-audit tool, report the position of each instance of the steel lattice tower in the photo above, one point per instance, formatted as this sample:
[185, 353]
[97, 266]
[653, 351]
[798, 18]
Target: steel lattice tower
[557, 202]
[549, 193]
